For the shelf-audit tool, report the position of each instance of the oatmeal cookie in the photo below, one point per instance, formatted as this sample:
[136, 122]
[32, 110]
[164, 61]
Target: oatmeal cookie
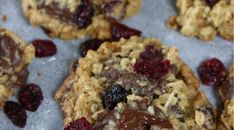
[204, 19]
[69, 19]
[226, 92]
[15, 55]
[134, 84]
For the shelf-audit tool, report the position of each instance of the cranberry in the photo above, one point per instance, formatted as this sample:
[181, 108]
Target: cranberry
[122, 31]
[81, 124]
[212, 2]
[152, 69]
[15, 113]
[113, 95]
[151, 64]
[30, 97]
[44, 48]
[92, 44]
[84, 14]
[212, 72]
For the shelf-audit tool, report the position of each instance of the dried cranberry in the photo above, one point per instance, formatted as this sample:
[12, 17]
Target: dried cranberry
[152, 69]
[16, 113]
[113, 95]
[212, 72]
[84, 14]
[92, 44]
[44, 48]
[81, 124]
[212, 2]
[30, 97]
[151, 64]
[122, 31]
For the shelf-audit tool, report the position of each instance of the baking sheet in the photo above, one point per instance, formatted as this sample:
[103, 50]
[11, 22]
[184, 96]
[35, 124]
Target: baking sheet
[50, 72]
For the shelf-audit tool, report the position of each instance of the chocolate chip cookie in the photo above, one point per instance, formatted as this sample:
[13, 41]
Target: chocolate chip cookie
[137, 83]
[69, 19]
[226, 92]
[204, 19]
[15, 55]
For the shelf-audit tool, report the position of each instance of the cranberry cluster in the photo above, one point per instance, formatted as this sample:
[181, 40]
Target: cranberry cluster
[30, 98]
[151, 64]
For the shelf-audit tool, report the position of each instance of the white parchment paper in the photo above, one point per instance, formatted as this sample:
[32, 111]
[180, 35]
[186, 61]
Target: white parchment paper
[50, 72]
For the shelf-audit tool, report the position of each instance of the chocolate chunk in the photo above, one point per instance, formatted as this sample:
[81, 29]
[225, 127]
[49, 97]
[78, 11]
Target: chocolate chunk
[133, 119]
[92, 44]
[62, 14]
[10, 53]
[129, 81]
[103, 119]
[226, 89]
[82, 17]
[137, 120]
[22, 77]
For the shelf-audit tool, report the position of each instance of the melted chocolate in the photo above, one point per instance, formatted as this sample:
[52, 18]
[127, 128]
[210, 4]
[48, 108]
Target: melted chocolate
[137, 120]
[10, 53]
[54, 10]
[103, 119]
[129, 81]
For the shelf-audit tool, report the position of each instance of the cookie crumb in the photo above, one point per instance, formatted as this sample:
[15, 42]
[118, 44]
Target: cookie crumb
[171, 23]
[4, 18]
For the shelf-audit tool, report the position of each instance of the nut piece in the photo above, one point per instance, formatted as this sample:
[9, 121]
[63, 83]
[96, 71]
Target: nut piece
[171, 23]
[199, 118]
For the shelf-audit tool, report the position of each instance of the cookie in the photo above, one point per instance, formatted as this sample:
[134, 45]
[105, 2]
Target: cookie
[204, 19]
[226, 92]
[69, 19]
[122, 82]
[15, 55]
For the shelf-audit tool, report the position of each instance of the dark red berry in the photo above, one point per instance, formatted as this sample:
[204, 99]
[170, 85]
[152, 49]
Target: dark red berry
[44, 48]
[16, 113]
[81, 124]
[92, 44]
[151, 64]
[212, 72]
[152, 69]
[212, 2]
[113, 95]
[122, 31]
[30, 97]
[84, 14]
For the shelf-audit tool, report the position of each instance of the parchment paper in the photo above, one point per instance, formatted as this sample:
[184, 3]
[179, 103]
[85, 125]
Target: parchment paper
[50, 72]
